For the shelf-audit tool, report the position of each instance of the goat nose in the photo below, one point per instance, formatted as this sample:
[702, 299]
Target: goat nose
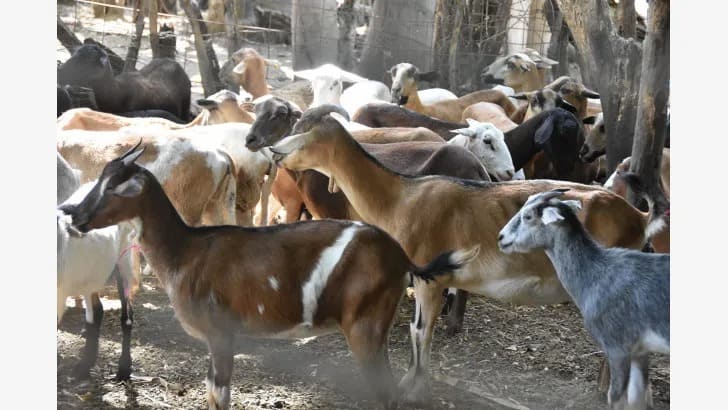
[250, 139]
[500, 237]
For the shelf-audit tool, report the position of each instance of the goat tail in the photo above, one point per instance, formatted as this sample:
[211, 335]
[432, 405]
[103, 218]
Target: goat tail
[445, 263]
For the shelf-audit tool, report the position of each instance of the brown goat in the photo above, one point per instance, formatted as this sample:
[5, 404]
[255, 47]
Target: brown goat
[439, 213]
[404, 92]
[294, 280]
[377, 115]
[489, 112]
[577, 95]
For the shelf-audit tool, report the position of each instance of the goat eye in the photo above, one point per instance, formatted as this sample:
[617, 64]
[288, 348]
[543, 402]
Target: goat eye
[527, 217]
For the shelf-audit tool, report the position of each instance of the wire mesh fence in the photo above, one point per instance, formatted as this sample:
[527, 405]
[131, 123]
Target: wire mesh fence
[456, 37]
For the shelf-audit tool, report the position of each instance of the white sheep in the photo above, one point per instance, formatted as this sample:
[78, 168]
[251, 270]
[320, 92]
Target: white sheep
[623, 294]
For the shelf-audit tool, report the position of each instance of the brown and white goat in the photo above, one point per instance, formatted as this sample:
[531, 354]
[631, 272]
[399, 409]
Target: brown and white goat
[658, 228]
[621, 189]
[432, 213]
[576, 94]
[404, 92]
[289, 281]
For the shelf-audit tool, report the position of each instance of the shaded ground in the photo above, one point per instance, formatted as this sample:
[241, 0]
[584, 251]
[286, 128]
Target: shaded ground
[538, 357]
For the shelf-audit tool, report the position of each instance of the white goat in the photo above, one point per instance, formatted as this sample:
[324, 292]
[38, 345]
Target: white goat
[488, 144]
[623, 294]
[362, 93]
[84, 265]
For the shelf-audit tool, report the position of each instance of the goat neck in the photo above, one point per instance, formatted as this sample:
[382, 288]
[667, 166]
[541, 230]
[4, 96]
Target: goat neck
[413, 101]
[163, 234]
[521, 144]
[574, 255]
[372, 189]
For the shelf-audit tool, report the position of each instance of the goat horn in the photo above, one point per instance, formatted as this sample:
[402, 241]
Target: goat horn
[127, 153]
[554, 193]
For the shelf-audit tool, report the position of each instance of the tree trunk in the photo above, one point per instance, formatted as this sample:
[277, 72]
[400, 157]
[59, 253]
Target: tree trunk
[153, 28]
[314, 34]
[627, 18]
[615, 65]
[133, 51]
[206, 58]
[649, 137]
[235, 40]
[345, 21]
[559, 43]
[453, 48]
[399, 31]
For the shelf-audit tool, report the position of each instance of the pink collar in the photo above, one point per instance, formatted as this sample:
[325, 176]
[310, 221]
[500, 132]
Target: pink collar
[133, 246]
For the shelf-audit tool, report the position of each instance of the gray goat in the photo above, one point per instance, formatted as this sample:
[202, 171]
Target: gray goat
[623, 295]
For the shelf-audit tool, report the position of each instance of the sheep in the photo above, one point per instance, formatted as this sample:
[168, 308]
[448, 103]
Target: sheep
[84, 264]
[379, 115]
[290, 281]
[622, 294]
[432, 213]
[404, 92]
[161, 84]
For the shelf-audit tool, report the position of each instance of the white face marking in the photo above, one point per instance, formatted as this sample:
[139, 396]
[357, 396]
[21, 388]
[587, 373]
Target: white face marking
[399, 78]
[261, 308]
[273, 283]
[316, 283]
[89, 309]
[327, 89]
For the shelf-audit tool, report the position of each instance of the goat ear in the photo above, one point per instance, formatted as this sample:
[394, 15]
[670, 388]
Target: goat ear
[464, 131]
[130, 188]
[429, 76]
[520, 96]
[471, 122]
[589, 93]
[589, 120]
[551, 214]
[524, 67]
[543, 133]
[574, 204]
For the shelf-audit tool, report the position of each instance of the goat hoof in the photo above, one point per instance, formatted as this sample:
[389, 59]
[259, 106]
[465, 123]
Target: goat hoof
[453, 328]
[123, 375]
[414, 391]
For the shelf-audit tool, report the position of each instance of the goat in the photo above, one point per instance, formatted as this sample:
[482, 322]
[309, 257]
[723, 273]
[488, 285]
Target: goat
[595, 142]
[576, 94]
[488, 144]
[161, 84]
[67, 179]
[621, 190]
[622, 294]
[431, 213]
[314, 277]
[364, 92]
[200, 179]
[398, 151]
[389, 115]
[404, 92]
[518, 71]
[542, 100]
[84, 264]
[489, 112]
[658, 228]
[63, 102]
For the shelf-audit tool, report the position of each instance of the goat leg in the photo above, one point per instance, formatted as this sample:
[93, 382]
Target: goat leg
[91, 330]
[127, 318]
[456, 315]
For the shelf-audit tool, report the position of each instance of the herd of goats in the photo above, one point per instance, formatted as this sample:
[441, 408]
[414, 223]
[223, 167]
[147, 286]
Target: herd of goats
[310, 209]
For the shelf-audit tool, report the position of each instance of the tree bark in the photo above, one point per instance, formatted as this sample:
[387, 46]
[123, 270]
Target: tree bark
[615, 66]
[627, 18]
[559, 43]
[133, 51]
[649, 138]
[345, 20]
[454, 44]
[206, 58]
[314, 33]
[399, 30]
[153, 28]
[237, 8]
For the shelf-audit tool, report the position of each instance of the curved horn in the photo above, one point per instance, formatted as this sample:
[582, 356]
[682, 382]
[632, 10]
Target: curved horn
[127, 153]
[554, 193]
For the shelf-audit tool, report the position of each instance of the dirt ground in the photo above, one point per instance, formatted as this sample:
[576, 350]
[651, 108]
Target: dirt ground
[537, 358]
